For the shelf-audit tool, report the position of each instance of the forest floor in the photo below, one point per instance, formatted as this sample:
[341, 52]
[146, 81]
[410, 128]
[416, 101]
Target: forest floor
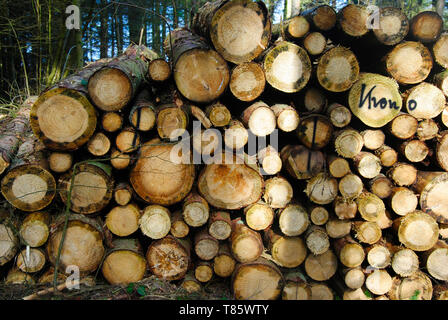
[148, 289]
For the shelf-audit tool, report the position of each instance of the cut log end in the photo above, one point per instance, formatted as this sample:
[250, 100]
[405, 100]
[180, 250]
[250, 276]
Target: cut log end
[247, 81]
[393, 26]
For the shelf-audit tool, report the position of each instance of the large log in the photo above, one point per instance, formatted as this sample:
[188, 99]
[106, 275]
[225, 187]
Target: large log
[116, 83]
[239, 30]
[393, 26]
[230, 186]
[200, 73]
[426, 26]
[157, 179]
[124, 262]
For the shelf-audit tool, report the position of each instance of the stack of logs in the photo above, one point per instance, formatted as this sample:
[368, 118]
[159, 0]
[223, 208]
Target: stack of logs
[347, 197]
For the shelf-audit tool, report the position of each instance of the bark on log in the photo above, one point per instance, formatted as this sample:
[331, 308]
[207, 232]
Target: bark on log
[393, 26]
[200, 73]
[220, 22]
[426, 26]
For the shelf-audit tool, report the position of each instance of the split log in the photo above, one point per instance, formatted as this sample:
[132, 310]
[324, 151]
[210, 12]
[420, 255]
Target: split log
[338, 167]
[219, 225]
[221, 22]
[203, 271]
[201, 117]
[179, 228]
[387, 155]
[367, 232]
[119, 160]
[435, 260]
[337, 69]
[247, 81]
[9, 244]
[112, 121]
[426, 26]
[403, 126]
[188, 52]
[230, 186]
[155, 222]
[172, 121]
[339, 115]
[92, 188]
[301, 162]
[218, 114]
[381, 186]
[260, 119]
[337, 228]
[60, 162]
[124, 263]
[224, 263]
[373, 139]
[403, 201]
[35, 229]
[287, 56]
[409, 62]
[257, 280]
[345, 208]
[158, 178]
[113, 86]
[123, 221]
[350, 253]
[287, 117]
[370, 207]
[236, 135]
[10, 137]
[246, 244]
[427, 129]
[322, 189]
[353, 20]
[319, 215]
[315, 131]
[417, 231]
[315, 43]
[291, 29]
[348, 143]
[270, 160]
[393, 26]
[379, 282]
[128, 140]
[316, 239]
[417, 287]
[169, 258]
[259, 216]
[293, 220]
[288, 252]
[195, 210]
[205, 246]
[99, 144]
[83, 243]
[28, 185]
[375, 99]
[379, 256]
[425, 101]
[402, 174]
[159, 70]
[321, 267]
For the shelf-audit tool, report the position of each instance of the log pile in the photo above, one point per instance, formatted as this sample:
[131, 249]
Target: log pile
[343, 196]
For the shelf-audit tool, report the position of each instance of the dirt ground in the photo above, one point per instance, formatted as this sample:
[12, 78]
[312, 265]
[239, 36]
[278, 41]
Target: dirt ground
[148, 289]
